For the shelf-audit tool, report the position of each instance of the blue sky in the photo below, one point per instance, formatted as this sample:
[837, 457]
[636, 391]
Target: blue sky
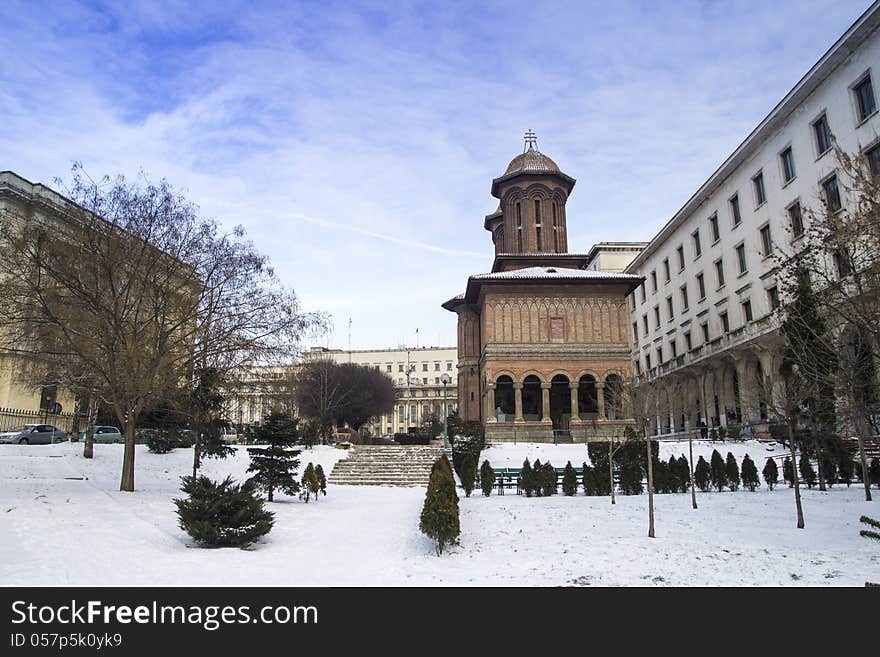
[356, 142]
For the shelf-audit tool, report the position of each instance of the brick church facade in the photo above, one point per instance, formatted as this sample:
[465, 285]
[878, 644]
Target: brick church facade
[543, 347]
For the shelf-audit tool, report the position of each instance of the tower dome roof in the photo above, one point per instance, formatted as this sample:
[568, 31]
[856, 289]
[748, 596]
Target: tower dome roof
[532, 161]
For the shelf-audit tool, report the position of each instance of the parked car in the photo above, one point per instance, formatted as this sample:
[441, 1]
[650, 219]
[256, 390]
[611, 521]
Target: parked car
[34, 434]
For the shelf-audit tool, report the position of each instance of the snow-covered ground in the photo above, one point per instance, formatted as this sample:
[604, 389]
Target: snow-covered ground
[56, 531]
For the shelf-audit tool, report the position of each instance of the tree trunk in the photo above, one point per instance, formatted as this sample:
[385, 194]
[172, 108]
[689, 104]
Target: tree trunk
[89, 441]
[860, 431]
[693, 488]
[611, 468]
[197, 443]
[271, 497]
[650, 488]
[127, 483]
[819, 471]
[794, 475]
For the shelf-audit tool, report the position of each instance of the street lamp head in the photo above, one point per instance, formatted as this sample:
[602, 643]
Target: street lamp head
[445, 378]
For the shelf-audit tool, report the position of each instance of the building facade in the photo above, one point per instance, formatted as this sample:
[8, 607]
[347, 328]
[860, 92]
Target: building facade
[417, 372]
[704, 331]
[542, 338]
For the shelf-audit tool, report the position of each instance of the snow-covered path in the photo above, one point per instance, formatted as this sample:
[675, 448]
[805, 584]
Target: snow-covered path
[58, 531]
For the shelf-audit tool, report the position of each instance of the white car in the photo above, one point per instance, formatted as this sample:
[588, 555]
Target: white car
[34, 434]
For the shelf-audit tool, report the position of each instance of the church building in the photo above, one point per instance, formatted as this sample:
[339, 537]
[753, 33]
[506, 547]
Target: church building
[543, 343]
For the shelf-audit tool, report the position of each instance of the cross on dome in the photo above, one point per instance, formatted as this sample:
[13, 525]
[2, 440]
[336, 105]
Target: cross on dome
[531, 141]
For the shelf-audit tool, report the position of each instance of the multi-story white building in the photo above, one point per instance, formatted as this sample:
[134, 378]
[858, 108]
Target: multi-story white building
[418, 374]
[703, 327]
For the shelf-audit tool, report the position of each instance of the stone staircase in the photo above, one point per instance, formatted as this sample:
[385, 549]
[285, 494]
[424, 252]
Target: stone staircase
[385, 465]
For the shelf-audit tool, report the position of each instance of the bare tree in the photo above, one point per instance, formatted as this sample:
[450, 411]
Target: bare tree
[129, 292]
[644, 404]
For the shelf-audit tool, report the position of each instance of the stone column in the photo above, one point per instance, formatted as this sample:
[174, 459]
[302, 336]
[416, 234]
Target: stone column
[517, 396]
[746, 391]
[575, 415]
[490, 403]
[600, 399]
[545, 403]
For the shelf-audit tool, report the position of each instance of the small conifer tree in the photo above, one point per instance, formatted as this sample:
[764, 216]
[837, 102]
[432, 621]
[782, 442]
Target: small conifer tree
[750, 474]
[222, 514]
[589, 480]
[440, 516]
[788, 472]
[548, 479]
[487, 478]
[829, 468]
[442, 463]
[874, 471]
[275, 465]
[310, 484]
[527, 479]
[661, 476]
[731, 469]
[602, 479]
[718, 471]
[713, 434]
[702, 475]
[569, 480]
[538, 478]
[468, 473]
[845, 469]
[322, 480]
[631, 477]
[771, 473]
[808, 474]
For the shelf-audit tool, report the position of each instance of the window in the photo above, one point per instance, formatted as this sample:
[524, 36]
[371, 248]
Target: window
[647, 361]
[741, 259]
[684, 297]
[519, 242]
[832, 194]
[654, 281]
[680, 258]
[698, 248]
[660, 355]
[725, 323]
[645, 324]
[823, 134]
[719, 273]
[424, 367]
[555, 229]
[766, 241]
[687, 341]
[734, 210]
[400, 381]
[773, 297]
[657, 316]
[389, 367]
[538, 224]
[666, 272]
[713, 225]
[864, 93]
[787, 159]
[448, 366]
[400, 367]
[638, 366]
[636, 331]
[705, 328]
[701, 285]
[758, 185]
[747, 310]
[796, 219]
[673, 349]
[843, 263]
[873, 157]
[436, 367]
[670, 311]
[642, 288]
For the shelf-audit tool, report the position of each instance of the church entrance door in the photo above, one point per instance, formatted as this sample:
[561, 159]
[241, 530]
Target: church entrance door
[560, 402]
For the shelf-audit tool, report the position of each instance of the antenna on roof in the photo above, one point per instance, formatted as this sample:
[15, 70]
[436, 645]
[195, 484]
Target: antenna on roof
[531, 141]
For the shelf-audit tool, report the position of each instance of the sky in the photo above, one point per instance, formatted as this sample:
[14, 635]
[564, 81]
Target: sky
[356, 141]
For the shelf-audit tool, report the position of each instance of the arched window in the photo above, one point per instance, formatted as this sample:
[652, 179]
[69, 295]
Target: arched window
[588, 405]
[505, 403]
[538, 226]
[532, 401]
[519, 241]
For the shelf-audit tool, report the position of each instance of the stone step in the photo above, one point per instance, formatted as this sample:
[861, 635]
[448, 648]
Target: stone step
[385, 465]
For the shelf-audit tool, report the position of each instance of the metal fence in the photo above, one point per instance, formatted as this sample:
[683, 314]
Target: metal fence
[15, 418]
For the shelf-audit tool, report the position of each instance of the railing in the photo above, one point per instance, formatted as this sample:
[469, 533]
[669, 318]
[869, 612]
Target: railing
[721, 343]
[15, 418]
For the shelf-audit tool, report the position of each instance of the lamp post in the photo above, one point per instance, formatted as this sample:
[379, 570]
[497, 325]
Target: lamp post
[445, 379]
